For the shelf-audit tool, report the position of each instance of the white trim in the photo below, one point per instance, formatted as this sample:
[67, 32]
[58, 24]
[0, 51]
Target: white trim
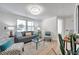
[76, 19]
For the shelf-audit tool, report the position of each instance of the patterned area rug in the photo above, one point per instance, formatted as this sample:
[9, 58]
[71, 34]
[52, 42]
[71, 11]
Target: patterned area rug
[44, 48]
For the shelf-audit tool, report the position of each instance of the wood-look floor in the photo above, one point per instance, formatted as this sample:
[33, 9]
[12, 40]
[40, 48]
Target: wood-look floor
[46, 48]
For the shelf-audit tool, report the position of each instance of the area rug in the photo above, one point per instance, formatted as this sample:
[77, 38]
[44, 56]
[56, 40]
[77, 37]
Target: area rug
[44, 48]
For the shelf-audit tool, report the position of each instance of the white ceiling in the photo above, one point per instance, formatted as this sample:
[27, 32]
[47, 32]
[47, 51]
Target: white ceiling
[50, 9]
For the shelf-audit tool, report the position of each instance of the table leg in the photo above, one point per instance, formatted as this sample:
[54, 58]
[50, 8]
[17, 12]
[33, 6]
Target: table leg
[65, 45]
[36, 45]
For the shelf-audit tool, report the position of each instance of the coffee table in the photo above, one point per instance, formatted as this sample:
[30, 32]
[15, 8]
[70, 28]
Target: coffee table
[37, 41]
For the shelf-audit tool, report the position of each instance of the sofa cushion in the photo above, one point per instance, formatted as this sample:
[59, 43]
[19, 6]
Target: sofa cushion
[23, 33]
[28, 34]
[47, 33]
[18, 34]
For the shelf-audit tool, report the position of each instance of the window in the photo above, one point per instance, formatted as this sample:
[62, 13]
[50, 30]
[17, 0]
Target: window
[24, 25]
[30, 25]
[21, 25]
[60, 26]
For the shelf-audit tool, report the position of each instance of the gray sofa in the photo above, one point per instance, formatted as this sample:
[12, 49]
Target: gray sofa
[22, 37]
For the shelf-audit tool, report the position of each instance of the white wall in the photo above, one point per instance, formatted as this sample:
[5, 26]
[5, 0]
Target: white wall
[76, 18]
[8, 19]
[50, 24]
[5, 21]
[68, 24]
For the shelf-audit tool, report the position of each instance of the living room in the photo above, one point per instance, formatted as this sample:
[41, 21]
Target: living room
[34, 27]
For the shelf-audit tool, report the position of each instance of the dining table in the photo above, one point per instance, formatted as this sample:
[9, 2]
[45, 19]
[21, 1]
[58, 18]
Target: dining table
[66, 40]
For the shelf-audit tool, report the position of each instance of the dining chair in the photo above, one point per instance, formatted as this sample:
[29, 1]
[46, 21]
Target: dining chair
[72, 44]
[62, 46]
[76, 50]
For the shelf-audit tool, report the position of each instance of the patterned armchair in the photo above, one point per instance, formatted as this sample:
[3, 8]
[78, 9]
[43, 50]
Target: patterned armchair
[11, 48]
[15, 49]
[48, 36]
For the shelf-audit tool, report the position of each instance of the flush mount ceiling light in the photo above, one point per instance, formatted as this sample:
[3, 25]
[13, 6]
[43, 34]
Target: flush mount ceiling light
[35, 9]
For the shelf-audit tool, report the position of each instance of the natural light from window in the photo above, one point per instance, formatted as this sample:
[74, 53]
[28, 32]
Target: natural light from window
[30, 25]
[21, 25]
[60, 26]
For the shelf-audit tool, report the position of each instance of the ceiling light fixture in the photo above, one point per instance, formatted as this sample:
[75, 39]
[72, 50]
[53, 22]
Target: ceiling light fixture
[35, 9]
